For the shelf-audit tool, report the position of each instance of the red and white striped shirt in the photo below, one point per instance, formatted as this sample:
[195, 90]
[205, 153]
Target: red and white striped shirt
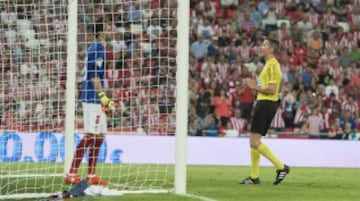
[352, 107]
[278, 120]
[348, 42]
[301, 114]
[287, 43]
[335, 71]
[326, 119]
[314, 18]
[246, 52]
[223, 70]
[279, 6]
[329, 19]
[221, 30]
[238, 123]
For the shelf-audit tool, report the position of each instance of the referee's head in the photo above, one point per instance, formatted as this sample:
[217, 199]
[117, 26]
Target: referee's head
[274, 45]
[269, 47]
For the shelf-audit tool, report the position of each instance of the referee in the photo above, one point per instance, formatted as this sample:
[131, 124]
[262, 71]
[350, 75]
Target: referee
[267, 88]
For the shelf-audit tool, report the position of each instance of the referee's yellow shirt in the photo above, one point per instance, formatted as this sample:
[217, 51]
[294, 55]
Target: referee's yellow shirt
[271, 73]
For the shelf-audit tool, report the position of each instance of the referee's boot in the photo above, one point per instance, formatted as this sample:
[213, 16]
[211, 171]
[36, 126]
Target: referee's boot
[250, 180]
[281, 174]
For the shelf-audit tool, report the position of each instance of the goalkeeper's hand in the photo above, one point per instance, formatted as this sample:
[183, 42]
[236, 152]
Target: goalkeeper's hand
[107, 104]
[104, 100]
[109, 109]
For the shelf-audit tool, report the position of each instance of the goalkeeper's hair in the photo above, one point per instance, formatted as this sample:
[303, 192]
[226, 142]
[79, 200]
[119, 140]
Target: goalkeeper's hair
[99, 27]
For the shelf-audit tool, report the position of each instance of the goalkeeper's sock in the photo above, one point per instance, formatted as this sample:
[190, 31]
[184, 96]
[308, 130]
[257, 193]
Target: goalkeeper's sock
[93, 154]
[265, 151]
[255, 163]
[79, 154]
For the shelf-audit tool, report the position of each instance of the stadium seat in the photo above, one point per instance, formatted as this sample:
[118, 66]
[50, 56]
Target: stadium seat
[32, 44]
[121, 29]
[136, 28]
[28, 34]
[23, 24]
[146, 47]
[279, 22]
[344, 25]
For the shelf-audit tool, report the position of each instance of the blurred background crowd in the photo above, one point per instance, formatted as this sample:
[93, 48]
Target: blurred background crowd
[320, 56]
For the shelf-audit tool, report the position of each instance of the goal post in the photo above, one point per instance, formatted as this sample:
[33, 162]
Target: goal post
[43, 47]
[70, 82]
[182, 95]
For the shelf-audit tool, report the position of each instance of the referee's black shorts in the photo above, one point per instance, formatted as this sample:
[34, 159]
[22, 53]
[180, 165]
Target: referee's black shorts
[264, 112]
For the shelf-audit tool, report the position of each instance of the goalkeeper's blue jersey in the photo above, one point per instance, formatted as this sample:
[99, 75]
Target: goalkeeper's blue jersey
[94, 67]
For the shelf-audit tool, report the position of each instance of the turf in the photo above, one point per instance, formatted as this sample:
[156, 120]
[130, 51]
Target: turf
[221, 183]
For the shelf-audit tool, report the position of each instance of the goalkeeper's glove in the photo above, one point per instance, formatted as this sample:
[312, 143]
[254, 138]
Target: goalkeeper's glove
[104, 100]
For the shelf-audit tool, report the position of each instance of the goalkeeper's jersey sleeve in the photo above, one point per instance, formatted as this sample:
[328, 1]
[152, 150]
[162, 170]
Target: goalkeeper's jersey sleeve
[94, 67]
[271, 74]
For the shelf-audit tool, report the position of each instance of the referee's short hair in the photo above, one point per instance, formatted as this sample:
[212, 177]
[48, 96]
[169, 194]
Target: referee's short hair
[274, 44]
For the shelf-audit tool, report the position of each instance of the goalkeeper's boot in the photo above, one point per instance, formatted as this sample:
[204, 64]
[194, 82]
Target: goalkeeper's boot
[250, 180]
[96, 180]
[281, 174]
[72, 179]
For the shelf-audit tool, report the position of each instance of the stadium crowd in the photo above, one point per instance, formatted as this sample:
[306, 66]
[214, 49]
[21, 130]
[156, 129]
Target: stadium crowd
[319, 58]
[320, 62]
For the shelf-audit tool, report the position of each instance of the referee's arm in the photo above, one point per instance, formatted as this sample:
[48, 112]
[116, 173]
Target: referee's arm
[269, 90]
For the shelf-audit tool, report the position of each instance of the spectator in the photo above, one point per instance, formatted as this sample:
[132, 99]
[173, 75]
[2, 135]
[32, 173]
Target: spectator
[154, 30]
[327, 119]
[208, 9]
[118, 43]
[278, 123]
[270, 16]
[344, 59]
[333, 104]
[211, 126]
[133, 12]
[245, 97]
[349, 133]
[222, 105]
[332, 88]
[347, 117]
[222, 68]
[237, 122]
[247, 23]
[207, 66]
[205, 29]
[350, 105]
[335, 132]
[195, 128]
[289, 106]
[315, 45]
[204, 106]
[256, 16]
[314, 122]
[305, 25]
[199, 48]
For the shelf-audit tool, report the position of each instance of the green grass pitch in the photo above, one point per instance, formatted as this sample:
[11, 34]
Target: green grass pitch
[221, 183]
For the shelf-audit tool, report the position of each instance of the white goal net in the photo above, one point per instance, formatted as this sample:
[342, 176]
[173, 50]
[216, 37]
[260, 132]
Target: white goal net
[140, 77]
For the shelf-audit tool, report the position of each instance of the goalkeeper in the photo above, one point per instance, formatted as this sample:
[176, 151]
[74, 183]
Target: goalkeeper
[94, 100]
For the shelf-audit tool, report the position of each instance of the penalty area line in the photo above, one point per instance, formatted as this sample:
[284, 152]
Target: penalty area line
[202, 198]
